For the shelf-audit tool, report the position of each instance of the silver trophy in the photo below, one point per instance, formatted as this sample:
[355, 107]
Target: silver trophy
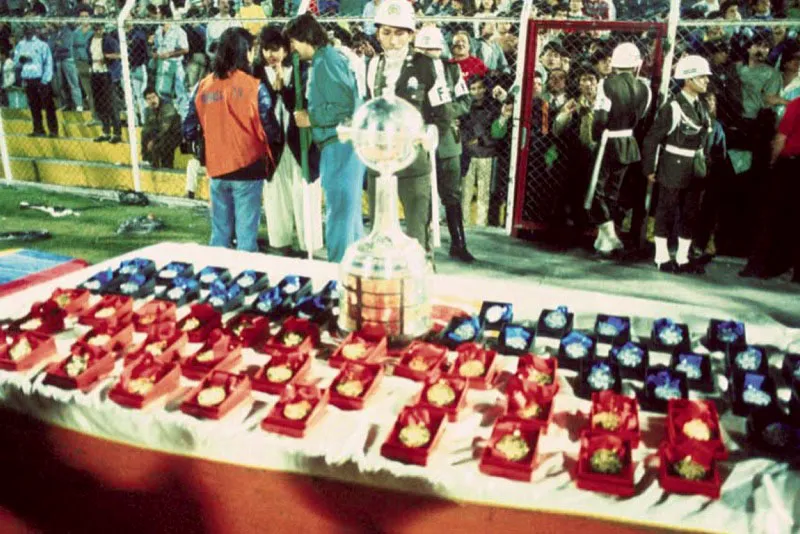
[385, 275]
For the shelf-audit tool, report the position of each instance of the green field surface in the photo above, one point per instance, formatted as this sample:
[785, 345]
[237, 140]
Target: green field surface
[92, 236]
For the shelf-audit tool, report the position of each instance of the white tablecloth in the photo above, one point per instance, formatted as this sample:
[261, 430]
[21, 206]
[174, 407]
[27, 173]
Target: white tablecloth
[758, 495]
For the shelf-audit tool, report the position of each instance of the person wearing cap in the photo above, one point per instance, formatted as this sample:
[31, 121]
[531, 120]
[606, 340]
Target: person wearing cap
[622, 102]
[429, 41]
[333, 97]
[416, 78]
[601, 62]
[673, 155]
[550, 58]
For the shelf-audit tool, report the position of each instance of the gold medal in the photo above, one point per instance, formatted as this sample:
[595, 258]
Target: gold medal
[297, 410]
[156, 348]
[205, 357]
[31, 324]
[418, 364]
[350, 388]
[62, 300]
[354, 351]
[697, 429]
[20, 349]
[104, 313]
[147, 319]
[141, 386]
[190, 324]
[513, 447]
[539, 377]
[415, 435]
[472, 369]
[441, 394]
[76, 365]
[292, 339]
[606, 420]
[211, 396]
[689, 469]
[279, 374]
[531, 411]
[605, 461]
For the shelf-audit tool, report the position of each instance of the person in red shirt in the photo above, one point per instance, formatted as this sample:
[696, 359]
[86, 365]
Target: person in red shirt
[777, 245]
[470, 65]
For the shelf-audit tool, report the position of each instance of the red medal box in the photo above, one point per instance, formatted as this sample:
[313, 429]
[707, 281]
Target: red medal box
[476, 365]
[364, 346]
[144, 381]
[44, 318]
[41, 347]
[296, 335]
[672, 454]
[163, 341]
[103, 339]
[82, 370]
[217, 395]
[536, 369]
[355, 384]
[441, 315]
[433, 397]
[413, 448]
[699, 415]
[624, 409]
[273, 378]
[303, 404]
[511, 452]
[421, 361]
[529, 404]
[220, 352]
[252, 329]
[154, 313]
[110, 312]
[72, 301]
[200, 322]
[617, 483]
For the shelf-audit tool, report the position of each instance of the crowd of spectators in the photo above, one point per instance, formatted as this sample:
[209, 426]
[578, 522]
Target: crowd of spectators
[754, 77]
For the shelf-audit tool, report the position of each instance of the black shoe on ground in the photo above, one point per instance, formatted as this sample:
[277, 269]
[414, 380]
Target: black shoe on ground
[36, 134]
[752, 272]
[667, 267]
[461, 254]
[54, 135]
[115, 139]
[190, 194]
[690, 268]
[102, 139]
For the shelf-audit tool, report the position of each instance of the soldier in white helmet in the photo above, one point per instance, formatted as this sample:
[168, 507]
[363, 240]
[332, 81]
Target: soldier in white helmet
[622, 102]
[429, 41]
[414, 77]
[673, 155]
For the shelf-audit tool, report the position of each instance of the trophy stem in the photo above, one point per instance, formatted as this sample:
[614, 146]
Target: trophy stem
[385, 214]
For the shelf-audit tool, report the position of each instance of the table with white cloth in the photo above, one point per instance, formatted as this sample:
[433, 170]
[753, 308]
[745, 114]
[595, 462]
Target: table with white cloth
[343, 451]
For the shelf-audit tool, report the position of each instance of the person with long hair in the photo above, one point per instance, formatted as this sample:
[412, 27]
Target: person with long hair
[332, 99]
[284, 194]
[235, 112]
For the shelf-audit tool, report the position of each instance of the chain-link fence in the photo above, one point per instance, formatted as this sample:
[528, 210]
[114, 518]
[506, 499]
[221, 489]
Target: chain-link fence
[567, 60]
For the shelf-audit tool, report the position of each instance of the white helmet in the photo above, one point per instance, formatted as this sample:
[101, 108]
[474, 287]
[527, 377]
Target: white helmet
[626, 56]
[397, 14]
[429, 38]
[690, 67]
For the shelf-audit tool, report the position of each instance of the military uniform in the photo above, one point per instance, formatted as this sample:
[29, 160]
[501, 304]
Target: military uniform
[422, 84]
[622, 101]
[681, 130]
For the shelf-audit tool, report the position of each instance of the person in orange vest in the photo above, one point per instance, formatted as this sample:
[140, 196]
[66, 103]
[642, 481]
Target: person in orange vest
[235, 113]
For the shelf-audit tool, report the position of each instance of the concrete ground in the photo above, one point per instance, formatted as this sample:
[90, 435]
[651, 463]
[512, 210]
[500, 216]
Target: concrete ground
[503, 257]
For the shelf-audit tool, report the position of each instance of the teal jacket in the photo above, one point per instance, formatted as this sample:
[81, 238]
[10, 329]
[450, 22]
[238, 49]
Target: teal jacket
[332, 94]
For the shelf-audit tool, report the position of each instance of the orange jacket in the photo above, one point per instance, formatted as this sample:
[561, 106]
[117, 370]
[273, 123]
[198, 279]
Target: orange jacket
[228, 110]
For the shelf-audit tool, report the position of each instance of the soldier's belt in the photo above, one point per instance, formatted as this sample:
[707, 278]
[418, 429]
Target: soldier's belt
[678, 151]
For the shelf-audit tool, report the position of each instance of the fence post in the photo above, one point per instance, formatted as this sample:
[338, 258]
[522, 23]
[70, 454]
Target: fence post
[522, 51]
[669, 57]
[133, 140]
[4, 150]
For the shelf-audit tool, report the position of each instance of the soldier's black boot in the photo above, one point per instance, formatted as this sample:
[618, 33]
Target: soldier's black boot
[458, 239]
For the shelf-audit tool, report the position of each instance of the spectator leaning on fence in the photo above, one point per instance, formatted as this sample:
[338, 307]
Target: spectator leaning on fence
[237, 119]
[65, 76]
[81, 36]
[106, 76]
[332, 99]
[161, 133]
[33, 57]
